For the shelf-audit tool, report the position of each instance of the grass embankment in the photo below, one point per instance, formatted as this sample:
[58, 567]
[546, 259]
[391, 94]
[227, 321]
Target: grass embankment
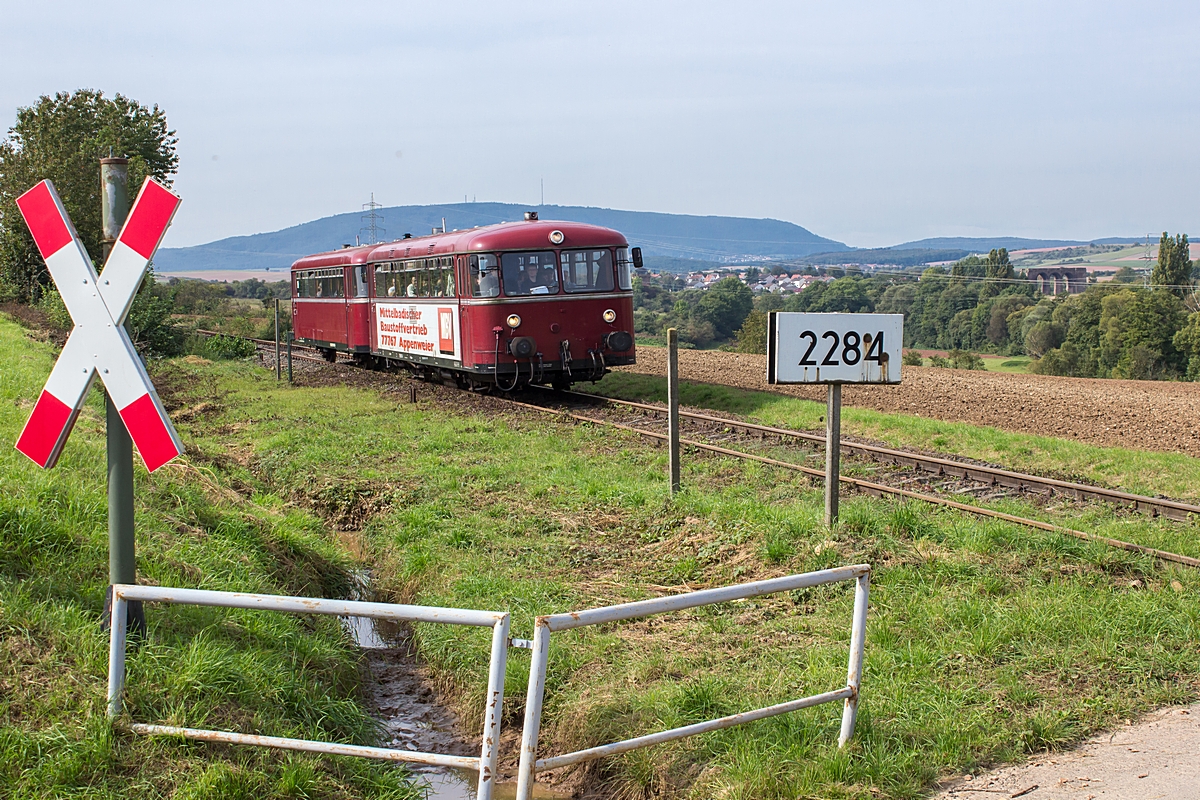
[1137, 471]
[251, 671]
[985, 640]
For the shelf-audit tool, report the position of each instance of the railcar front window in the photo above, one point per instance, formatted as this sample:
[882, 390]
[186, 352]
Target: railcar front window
[624, 269]
[587, 270]
[529, 273]
[485, 276]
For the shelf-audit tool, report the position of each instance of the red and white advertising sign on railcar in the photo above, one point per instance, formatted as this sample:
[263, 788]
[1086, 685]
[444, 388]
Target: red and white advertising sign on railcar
[98, 345]
[418, 329]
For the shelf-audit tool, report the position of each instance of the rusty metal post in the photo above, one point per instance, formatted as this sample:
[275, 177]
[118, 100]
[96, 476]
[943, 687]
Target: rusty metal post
[122, 560]
[673, 404]
[493, 712]
[278, 363]
[833, 451]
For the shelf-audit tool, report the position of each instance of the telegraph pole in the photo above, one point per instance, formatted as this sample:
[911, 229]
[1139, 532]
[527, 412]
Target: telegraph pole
[122, 562]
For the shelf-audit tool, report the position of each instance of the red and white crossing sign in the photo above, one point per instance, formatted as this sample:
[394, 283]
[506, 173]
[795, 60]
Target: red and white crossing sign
[98, 345]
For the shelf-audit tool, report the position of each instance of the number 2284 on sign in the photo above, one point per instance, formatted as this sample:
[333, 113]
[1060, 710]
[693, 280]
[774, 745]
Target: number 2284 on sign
[834, 348]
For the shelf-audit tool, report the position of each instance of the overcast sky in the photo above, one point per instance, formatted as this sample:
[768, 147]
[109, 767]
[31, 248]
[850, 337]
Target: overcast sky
[870, 123]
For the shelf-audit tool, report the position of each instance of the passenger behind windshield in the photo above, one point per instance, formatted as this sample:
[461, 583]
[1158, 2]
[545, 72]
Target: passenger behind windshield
[529, 273]
[484, 273]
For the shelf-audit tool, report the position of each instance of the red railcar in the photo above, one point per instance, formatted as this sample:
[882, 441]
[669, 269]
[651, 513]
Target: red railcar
[537, 301]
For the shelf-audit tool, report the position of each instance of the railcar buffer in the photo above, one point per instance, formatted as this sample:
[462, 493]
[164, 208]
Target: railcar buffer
[98, 344]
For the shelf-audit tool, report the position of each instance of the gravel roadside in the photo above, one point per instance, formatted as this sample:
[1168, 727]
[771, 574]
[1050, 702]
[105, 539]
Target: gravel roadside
[1155, 758]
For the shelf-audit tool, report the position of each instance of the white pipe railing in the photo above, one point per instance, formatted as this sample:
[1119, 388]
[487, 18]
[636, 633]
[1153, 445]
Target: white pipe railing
[531, 764]
[497, 621]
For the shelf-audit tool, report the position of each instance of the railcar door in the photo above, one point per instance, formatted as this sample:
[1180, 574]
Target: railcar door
[480, 284]
[357, 303]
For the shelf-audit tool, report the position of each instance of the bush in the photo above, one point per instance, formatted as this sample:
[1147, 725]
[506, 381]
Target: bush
[227, 347]
[938, 361]
[56, 312]
[961, 359]
[752, 336]
[912, 358]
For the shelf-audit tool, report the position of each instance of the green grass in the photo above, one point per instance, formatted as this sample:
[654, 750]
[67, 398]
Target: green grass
[1137, 471]
[234, 670]
[1011, 364]
[986, 641]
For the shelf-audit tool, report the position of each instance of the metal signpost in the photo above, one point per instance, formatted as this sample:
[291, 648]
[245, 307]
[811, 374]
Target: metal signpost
[99, 344]
[673, 406]
[834, 349]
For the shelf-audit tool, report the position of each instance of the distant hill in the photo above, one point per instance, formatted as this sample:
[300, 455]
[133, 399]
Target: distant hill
[892, 256]
[680, 236]
[983, 245]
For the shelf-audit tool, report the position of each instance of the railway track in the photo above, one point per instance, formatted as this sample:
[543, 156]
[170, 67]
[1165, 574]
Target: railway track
[937, 465]
[872, 488]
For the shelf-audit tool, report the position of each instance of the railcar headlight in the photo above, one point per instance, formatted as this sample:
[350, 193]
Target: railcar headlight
[610, 315]
[514, 320]
[556, 237]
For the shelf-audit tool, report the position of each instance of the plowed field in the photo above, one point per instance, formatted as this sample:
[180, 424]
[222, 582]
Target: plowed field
[1145, 415]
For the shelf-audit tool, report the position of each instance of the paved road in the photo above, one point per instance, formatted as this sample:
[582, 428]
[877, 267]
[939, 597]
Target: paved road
[1158, 757]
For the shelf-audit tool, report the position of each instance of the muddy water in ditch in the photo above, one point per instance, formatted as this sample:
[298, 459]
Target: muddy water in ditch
[403, 699]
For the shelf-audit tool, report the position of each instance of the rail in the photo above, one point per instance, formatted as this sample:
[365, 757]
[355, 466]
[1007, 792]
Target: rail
[879, 490]
[497, 621]
[981, 473]
[530, 764]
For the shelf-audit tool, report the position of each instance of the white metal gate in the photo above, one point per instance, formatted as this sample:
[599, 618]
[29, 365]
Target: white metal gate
[546, 625]
[496, 620]
[499, 622]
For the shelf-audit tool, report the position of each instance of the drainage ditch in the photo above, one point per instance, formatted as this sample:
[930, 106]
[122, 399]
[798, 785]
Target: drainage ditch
[401, 696]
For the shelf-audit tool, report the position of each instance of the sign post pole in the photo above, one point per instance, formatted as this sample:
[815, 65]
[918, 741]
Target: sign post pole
[278, 365]
[122, 556]
[833, 349]
[673, 405]
[833, 451]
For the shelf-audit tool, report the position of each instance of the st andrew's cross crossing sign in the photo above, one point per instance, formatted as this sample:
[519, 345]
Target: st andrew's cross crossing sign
[98, 344]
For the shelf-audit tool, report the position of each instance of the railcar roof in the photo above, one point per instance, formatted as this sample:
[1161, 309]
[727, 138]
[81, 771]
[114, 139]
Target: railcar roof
[523, 235]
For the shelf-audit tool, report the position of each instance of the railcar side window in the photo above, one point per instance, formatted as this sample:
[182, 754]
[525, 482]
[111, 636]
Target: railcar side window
[358, 276]
[587, 270]
[418, 277]
[485, 276]
[321, 283]
[529, 273]
[624, 269]
[388, 281]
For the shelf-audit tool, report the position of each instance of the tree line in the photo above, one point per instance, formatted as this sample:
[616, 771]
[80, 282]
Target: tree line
[1116, 329]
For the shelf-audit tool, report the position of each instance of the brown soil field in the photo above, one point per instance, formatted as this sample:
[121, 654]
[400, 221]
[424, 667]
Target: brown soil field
[1142, 415]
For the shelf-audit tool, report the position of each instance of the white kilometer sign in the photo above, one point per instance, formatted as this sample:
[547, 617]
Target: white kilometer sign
[834, 348]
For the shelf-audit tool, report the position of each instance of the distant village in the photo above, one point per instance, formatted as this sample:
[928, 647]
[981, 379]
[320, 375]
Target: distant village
[758, 279]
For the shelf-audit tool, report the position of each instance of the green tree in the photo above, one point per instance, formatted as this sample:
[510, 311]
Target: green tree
[1137, 332]
[1187, 342]
[998, 270]
[752, 336]
[1174, 267]
[63, 138]
[725, 305]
